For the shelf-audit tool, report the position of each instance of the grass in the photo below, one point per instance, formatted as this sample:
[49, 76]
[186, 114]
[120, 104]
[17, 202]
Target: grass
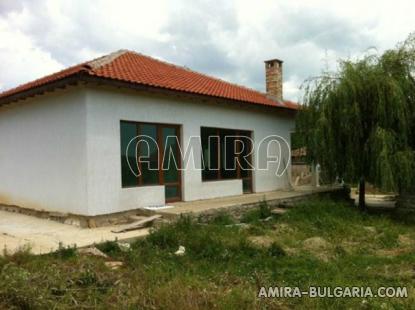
[319, 243]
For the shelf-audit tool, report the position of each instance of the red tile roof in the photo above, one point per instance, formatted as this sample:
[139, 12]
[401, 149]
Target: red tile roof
[44, 80]
[135, 68]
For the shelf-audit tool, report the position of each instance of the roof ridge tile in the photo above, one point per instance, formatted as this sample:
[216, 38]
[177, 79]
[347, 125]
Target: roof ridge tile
[103, 60]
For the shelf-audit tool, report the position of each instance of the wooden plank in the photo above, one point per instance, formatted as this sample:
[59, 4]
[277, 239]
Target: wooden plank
[278, 211]
[137, 225]
[136, 218]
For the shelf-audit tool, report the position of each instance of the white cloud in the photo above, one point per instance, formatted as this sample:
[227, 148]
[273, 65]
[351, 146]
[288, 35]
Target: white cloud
[20, 59]
[227, 39]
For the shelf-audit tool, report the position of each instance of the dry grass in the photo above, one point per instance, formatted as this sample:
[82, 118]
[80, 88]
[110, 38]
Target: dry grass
[322, 243]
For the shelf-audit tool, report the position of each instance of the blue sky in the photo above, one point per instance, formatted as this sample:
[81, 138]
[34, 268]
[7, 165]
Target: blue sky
[227, 39]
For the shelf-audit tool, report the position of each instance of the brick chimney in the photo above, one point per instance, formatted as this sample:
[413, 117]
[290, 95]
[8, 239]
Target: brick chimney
[273, 78]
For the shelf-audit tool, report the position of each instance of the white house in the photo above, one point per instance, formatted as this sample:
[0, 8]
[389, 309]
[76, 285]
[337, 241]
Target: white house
[64, 137]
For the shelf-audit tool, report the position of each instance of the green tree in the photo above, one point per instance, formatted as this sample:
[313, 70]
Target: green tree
[359, 122]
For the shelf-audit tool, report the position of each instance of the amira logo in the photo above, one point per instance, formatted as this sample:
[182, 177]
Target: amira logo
[272, 152]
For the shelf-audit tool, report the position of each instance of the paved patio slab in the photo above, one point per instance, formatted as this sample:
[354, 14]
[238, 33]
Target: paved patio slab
[202, 206]
[44, 236]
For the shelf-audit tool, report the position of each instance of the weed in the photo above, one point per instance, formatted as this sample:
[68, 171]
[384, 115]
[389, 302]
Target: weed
[65, 252]
[222, 218]
[110, 248]
[87, 278]
[263, 211]
[275, 250]
[20, 257]
[257, 230]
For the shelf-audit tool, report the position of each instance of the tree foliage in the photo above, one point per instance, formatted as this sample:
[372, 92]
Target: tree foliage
[360, 120]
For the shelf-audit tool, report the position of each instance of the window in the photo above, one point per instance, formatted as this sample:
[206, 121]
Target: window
[210, 155]
[128, 132]
[226, 155]
[143, 148]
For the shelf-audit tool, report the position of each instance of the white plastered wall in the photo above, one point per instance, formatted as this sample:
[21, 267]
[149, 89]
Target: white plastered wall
[105, 108]
[61, 151]
[43, 152]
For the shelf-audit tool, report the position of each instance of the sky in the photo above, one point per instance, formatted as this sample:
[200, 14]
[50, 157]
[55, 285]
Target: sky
[227, 39]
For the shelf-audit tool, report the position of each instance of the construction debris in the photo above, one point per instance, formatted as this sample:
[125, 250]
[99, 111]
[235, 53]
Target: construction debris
[92, 251]
[278, 211]
[92, 223]
[137, 225]
[137, 217]
[72, 221]
[241, 225]
[180, 251]
[124, 247]
[114, 265]
[370, 229]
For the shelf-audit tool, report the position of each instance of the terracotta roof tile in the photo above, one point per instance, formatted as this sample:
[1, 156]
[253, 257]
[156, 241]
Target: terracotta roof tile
[136, 68]
[46, 79]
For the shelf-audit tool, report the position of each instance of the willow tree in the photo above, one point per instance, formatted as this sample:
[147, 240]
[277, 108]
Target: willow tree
[359, 122]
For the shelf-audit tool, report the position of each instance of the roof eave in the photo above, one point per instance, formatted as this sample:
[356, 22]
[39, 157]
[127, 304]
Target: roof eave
[84, 76]
[72, 79]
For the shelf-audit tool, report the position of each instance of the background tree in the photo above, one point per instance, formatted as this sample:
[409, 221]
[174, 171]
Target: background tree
[359, 122]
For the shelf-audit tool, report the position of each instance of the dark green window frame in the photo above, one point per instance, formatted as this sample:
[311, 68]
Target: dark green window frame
[129, 130]
[214, 159]
[151, 173]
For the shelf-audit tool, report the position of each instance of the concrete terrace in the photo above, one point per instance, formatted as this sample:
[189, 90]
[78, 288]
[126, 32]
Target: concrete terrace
[44, 236]
[273, 198]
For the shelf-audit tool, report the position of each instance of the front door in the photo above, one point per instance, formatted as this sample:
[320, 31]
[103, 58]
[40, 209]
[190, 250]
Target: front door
[170, 172]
